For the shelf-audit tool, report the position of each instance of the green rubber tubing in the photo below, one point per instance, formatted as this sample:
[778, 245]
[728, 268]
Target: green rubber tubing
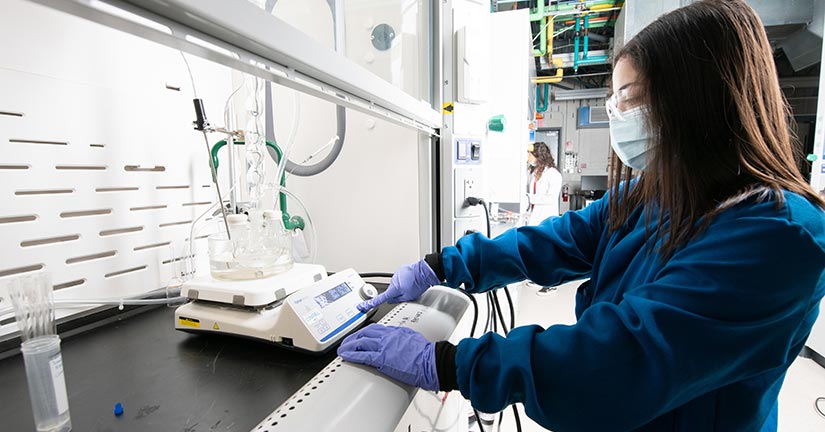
[290, 223]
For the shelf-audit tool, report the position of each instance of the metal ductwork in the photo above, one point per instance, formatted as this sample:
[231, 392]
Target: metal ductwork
[579, 94]
[795, 26]
[636, 15]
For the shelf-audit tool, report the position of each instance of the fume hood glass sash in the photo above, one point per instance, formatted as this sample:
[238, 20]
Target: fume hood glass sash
[240, 35]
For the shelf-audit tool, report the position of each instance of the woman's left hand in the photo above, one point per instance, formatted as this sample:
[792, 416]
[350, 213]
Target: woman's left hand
[398, 352]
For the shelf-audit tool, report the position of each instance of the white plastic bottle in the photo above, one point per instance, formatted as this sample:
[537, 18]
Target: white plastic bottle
[239, 231]
[277, 240]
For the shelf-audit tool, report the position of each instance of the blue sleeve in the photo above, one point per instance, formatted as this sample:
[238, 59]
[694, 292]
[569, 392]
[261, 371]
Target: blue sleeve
[559, 250]
[730, 305]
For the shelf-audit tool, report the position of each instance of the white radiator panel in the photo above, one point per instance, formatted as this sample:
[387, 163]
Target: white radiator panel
[100, 170]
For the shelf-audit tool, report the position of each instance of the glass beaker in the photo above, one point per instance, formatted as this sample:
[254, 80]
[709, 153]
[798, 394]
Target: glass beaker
[229, 261]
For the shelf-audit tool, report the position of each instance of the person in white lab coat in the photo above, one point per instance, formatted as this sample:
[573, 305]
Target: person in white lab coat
[544, 184]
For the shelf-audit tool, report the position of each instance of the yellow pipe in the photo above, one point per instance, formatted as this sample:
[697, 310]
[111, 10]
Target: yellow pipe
[601, 7]
[558, 62]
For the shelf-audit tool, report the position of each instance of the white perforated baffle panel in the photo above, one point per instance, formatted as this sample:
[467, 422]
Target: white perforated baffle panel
[100, 170]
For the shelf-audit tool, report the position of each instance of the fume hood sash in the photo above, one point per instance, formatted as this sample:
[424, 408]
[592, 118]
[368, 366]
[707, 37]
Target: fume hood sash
[239, 35]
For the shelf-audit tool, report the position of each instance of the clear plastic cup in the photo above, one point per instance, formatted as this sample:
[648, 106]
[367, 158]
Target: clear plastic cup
[47, 384]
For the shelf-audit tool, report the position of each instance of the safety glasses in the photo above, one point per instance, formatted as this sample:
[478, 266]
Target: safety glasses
[626, 99]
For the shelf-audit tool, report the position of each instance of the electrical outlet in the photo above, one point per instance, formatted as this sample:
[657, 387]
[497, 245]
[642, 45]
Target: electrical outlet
[467, 184]
[469, 189]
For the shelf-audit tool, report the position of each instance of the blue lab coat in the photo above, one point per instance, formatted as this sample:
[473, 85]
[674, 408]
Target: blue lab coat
[700, 342]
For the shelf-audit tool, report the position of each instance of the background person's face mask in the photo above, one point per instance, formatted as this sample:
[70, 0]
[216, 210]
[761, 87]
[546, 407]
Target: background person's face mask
[629, 138]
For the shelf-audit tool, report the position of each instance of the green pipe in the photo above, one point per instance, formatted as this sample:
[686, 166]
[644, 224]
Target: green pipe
[542, 39]
[576, 45]
[538, 13]
[586, 36]
[290, 223]
[541, 102]
[593, 60]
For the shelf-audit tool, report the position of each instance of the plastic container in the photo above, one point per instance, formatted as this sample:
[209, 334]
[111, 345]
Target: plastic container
[47, 384]
[277, 240]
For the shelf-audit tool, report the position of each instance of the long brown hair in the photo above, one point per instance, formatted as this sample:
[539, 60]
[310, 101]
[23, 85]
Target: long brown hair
[718, 122]
[544, 159]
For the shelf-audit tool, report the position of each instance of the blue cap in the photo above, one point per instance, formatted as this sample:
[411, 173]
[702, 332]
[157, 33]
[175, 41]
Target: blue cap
[118, 409]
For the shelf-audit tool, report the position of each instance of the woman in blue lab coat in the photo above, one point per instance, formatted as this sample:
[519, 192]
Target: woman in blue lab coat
[705, 258]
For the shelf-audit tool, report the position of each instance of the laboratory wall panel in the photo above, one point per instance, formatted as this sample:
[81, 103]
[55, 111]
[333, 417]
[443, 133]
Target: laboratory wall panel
[365, 206]
[101, 172]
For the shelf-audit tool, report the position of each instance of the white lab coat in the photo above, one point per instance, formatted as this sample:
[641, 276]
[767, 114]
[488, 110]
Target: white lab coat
[544, 196]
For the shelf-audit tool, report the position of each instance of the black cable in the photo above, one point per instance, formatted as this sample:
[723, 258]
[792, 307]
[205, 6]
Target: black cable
[475, 311]
[500, 316]
[375, 274]
[495, 312]
[518, 419]
[478, 420]
[492, 316]
[489, 313]
[818, 409]
[497, 308]
[487, 215]
[512, 309]
[473, 201]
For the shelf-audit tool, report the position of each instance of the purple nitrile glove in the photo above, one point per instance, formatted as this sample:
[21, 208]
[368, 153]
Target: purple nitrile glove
[400, 353]
[408, 283]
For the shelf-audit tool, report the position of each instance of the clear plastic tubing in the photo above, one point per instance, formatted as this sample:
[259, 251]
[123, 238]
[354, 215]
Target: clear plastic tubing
[66, 304]
[312, 231]
[47, 384]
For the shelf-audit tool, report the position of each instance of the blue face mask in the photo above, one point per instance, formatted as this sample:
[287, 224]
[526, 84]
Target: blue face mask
[629, 138]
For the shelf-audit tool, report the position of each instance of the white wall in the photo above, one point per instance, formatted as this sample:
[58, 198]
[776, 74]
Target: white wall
[79, 83]
[104, 95]
[506, 152]
[365, 207]
[590, 146]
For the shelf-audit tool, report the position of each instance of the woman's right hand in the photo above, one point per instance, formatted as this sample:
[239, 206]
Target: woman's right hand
[408, 283]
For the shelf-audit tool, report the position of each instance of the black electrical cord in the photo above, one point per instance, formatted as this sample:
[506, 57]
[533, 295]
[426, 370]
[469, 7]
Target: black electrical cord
[487, 214]
[497, 307]
[819, 410]
[493, 320]
[475, 311]
[517, 417]
[512, 309]
[489, 313]
[498, 311]
[478, 420]
[375, 274]
[473, 201]
[495, 311]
